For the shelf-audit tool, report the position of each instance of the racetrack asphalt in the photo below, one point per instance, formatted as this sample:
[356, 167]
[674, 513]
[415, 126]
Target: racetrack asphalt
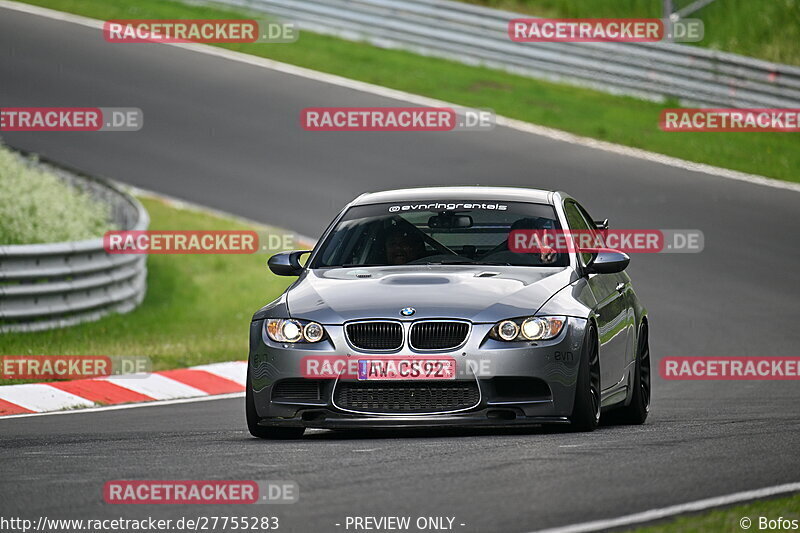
[227, 135]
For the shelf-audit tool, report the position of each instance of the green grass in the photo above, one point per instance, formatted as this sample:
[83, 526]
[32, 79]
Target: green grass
[622, 120]
[197, 309]
[38, 207]
[768, 29]
[728, 520]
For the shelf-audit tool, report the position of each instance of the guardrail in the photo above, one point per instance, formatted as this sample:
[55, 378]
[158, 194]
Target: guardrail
[478, 35]
[46, 286]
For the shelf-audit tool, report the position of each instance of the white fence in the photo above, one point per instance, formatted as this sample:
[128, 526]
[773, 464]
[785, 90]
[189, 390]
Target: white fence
[478, 35]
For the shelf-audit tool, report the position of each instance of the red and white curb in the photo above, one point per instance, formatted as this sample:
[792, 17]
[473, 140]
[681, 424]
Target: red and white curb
[194, 382]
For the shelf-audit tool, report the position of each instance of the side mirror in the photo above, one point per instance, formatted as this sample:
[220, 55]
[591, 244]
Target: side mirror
[287, 263]
[608, 262]
[601, 224]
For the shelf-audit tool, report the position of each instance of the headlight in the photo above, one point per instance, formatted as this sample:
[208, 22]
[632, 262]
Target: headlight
[290, 330]
[313, 332]
[507, 330]
[535, 328]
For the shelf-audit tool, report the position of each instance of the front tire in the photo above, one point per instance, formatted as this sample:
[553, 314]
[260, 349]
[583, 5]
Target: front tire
[586, 410]
[265, 432]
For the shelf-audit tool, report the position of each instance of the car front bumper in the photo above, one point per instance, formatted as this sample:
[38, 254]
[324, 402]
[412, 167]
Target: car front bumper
[500, 371]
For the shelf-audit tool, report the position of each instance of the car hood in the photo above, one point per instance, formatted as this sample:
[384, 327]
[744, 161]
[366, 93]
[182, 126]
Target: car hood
[479, 294]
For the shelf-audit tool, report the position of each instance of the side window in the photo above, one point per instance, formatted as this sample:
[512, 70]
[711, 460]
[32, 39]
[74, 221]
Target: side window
[579, 220]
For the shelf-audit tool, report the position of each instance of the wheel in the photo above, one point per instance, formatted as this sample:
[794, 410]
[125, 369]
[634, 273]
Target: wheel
[586, 411]
[636, 412]
[265, 432]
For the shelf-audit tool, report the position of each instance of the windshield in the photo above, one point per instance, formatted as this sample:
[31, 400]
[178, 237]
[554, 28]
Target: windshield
[441, 232]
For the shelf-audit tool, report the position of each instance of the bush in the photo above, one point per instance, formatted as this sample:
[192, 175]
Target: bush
[37, 206]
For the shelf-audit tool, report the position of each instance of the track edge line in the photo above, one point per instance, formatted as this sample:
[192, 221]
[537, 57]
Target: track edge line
[675, 510]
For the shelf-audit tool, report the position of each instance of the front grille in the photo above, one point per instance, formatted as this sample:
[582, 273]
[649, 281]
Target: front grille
[375, 335]
[438, 335]
[297, 389]
[417, 397]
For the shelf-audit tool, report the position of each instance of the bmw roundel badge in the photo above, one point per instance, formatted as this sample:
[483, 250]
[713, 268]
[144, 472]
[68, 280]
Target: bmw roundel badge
[407, 311]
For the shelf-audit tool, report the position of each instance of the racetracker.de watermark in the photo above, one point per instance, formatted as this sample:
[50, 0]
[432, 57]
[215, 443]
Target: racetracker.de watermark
[72, 366]
[652, 241]
[584, 30]
[199, 31]
[71, 119]
[396, 119]
[730, 368]
[392, 367]
[730, 119]
[200, 492]
[175, 242]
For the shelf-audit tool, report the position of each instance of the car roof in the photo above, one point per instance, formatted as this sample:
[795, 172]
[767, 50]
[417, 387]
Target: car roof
[473, 193]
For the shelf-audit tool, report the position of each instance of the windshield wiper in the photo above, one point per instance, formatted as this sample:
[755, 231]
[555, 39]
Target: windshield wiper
[356, 265]
[465, 262]
[470, 263]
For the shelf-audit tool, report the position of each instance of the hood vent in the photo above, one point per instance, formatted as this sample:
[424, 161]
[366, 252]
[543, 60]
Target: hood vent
[486, 274]
[360, 273]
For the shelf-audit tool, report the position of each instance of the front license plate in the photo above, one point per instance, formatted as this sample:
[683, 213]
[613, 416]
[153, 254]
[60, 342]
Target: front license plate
[397, 368]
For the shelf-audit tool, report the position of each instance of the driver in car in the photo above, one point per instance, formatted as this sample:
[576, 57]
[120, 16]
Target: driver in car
[547, 254]
[403, 246]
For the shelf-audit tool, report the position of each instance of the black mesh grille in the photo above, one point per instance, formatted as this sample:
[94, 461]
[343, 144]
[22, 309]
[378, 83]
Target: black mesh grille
[296, 389]
[439, 335]
[417, 397]
[376, 335]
